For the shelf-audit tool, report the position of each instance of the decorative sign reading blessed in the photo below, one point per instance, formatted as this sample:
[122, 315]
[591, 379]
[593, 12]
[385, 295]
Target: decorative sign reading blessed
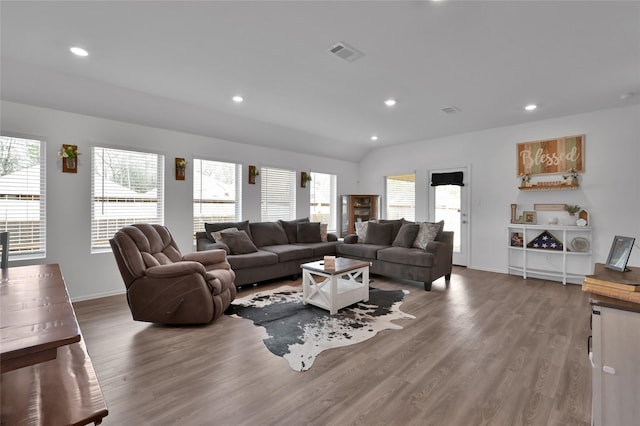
[553, 156]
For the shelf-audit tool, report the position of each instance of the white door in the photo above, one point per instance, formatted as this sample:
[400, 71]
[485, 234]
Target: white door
[450, 203]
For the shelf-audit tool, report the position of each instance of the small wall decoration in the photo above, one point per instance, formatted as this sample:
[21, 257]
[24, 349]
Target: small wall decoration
[552, 156]
[69, 155]
[253, 172]
[304, 178]
[530, 218]
[550, 207]
[181, 167]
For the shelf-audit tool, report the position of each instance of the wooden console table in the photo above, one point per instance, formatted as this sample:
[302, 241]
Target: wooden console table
[47, 375]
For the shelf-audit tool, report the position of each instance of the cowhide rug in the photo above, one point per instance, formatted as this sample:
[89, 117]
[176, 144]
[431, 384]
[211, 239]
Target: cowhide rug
[299, 332]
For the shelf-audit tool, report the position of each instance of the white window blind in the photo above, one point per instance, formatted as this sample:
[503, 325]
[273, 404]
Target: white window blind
[323, 199]
[278, 196]
[127, 187]
[217, 193]
[401, 197]
[22, 196]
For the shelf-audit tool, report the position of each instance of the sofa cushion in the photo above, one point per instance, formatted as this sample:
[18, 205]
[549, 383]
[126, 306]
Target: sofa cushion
[428, 232]
[397, 224]
[252, 260]
[219, 226]
[406, 235]
[364, 251]
[287, 252]
[268, 234]
[406, 256]
[238, 242]
[291, 228]
[324, 248]
[379, 234]
[309, 232]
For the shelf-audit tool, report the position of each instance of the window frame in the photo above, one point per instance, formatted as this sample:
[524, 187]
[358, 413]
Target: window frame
[289, 193]
[401, 208]
[15, 254]
[238, 195]
[332, 223]
[159, 201]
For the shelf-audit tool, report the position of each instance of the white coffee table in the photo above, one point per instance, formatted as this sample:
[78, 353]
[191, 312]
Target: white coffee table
[335, 288]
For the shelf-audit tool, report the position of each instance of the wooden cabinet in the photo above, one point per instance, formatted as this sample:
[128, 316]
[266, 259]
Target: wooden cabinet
[614, 358]
[569, 261]
[356, 208]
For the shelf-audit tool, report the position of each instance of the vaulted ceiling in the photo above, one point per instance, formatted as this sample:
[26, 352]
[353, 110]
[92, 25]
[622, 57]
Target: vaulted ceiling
[177, 65]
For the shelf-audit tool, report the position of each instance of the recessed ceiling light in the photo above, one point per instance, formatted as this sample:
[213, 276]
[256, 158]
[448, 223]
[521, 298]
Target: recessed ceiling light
[531, 107]
[374, 138]
[237, 99]
[78, 51]
[390, 102]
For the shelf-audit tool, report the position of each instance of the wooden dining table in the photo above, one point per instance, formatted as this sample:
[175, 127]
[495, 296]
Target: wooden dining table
[36, 315]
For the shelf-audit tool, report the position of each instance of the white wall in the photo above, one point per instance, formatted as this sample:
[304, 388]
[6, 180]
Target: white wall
[69, 195]
[610, 185]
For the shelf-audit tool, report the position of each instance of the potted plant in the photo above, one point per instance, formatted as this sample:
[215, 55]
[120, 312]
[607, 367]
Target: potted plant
[572, 209]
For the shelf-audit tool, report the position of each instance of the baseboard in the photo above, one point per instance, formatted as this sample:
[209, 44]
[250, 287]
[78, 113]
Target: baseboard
[97, 295]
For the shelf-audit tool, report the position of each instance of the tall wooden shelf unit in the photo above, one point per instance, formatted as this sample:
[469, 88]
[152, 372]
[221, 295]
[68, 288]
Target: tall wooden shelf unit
[357, 208]
[570, 264]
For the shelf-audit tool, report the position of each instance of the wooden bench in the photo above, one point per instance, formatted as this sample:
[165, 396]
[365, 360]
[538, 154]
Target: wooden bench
[47, 375]
[63, 391]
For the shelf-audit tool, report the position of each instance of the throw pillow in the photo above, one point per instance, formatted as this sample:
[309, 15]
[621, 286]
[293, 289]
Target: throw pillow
[361, 229]
[291, 228]
[218, 226]
[309, 232]
[397, 223]
[428, 232]
[379, 234]
[238, 242]
[323, 232]
[216, 235]
[268, 234]
[406, 235]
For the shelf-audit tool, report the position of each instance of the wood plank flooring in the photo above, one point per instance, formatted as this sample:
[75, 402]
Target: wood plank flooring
[488, 349]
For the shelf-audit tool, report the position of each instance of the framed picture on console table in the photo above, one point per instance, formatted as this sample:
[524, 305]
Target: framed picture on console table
[619, 253]
[530, 218]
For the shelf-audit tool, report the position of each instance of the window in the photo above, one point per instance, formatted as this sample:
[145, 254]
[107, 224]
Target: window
[278, 199]
[217, 193]
[127, 187]
[401, 197]
[323, 200]
[22, 196]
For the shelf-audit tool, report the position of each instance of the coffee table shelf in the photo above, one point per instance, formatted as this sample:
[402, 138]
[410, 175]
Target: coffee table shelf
[336, 288]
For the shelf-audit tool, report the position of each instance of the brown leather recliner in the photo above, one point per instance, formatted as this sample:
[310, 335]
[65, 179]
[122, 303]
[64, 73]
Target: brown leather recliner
[165, 287]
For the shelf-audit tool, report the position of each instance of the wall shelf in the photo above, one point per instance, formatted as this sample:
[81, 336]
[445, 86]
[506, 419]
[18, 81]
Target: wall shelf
[548, 187]
[566, 265]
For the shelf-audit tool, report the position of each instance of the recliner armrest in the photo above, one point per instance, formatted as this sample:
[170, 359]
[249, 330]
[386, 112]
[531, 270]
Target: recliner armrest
[177, 269]
[207, 257]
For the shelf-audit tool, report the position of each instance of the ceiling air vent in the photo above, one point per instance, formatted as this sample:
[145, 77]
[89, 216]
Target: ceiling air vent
[451, 110]
[346, 52]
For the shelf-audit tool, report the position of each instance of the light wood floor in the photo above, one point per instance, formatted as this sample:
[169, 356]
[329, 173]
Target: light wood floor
[489, 349]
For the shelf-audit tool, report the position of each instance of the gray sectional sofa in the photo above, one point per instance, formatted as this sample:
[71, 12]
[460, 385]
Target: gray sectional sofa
[260, 251]
[277, 250]
[402, 249]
